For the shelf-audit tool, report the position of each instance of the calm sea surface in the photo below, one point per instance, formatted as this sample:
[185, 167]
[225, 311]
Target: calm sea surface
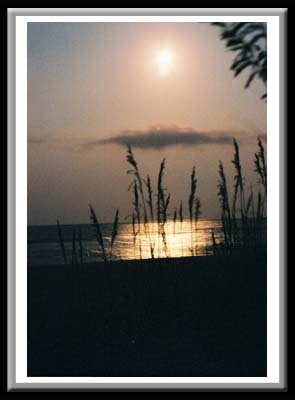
[44, 247]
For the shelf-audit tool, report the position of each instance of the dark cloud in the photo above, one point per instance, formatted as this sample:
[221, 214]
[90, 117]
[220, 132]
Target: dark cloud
[160, 137]
[154, 138]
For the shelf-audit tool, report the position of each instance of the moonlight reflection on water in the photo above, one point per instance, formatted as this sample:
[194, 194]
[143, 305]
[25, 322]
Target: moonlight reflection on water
[44, 247]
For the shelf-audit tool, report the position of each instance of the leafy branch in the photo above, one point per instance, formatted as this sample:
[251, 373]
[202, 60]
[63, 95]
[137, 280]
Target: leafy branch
[248, 40]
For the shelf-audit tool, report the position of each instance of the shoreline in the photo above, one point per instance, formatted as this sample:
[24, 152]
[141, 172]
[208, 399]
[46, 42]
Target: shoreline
[210, 258]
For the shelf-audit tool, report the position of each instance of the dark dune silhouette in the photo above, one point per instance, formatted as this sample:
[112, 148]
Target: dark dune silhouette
[199, 316]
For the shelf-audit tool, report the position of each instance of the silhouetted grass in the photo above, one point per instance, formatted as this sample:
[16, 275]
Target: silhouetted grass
[135, 171]
[241, 219]
[197, 214]
[214, 242]
[136, 217]
[150, 198]
[114, 231]
[162, 207]
[181, 222]
[134, 233]
[99, 237]
[192, 194]
[225, 207]
[151, 208]
[174, 221]
[260, 168]
[239, 180]
[194, 208]
[259, 208]
[246, 233]
[61, 242]
[80, 240]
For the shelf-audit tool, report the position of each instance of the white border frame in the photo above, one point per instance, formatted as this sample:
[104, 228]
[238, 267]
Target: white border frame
[274, 350]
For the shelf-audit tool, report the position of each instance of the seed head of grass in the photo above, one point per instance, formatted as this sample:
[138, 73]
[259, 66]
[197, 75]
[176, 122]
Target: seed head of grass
[222, 189]
[192, 193]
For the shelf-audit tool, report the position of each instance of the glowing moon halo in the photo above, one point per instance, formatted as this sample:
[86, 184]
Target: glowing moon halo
[164, 62]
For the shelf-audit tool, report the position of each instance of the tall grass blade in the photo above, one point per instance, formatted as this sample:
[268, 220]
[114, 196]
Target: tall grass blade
[61, 242]
[114, 231]
[162, 207]
[80, 245]
[181, 213]
[174, 220]
[181, 221]
[224, 204]
[137, 215]
[260, 168]
[135, 171]
[196, 218]
[259, 214]
[134, 233]
[99, 237]
[150, 197]
[192, 193]
[238, 177]
[191, 201]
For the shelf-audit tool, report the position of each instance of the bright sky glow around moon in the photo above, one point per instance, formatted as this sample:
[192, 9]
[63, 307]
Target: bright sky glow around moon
[147, 79]
[164, 62]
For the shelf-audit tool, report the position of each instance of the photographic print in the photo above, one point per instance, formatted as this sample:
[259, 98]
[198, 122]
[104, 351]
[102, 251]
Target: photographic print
[146, 216]
[147, 199]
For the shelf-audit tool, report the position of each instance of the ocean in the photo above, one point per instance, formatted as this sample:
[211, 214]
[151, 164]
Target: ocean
[44, 247]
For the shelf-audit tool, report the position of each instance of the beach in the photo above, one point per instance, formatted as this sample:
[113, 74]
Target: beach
[190, 316]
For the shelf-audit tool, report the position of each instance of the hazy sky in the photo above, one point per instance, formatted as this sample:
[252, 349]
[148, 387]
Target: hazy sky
[165, 88]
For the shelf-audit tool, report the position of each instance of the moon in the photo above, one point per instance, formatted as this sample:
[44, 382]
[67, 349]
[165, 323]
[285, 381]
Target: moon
[164, 62]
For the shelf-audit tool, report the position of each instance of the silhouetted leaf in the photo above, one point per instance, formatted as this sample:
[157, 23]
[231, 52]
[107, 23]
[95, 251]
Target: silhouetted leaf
[238, 27]
[256, 38]
[221, 24]
[226, 34]
[245, 38]
[250, 79]
[233, 42]
[237, 62]
[241, 68]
